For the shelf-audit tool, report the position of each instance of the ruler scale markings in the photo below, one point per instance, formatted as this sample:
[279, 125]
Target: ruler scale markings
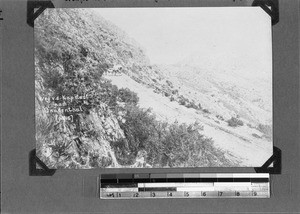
[188, 185]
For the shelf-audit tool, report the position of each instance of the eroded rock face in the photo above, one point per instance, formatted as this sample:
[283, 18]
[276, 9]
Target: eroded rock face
[61, 143]
[79, 140]
[106, 124]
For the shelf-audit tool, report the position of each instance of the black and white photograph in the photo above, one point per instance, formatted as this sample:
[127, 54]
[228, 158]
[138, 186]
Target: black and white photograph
[153, 87]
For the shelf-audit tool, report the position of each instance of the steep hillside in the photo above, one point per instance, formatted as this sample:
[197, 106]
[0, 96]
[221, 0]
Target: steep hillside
[225, 91]
[85, 120]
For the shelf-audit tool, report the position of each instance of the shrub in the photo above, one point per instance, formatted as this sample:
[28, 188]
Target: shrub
[165, 145]
[182, 145]
[60, 149]
[136, 79]
[110, 94]
[266, 129]
[138, 127]
[106, 161]
[169, 83]
[192, 105]
[94, 160]
[250, 125]
[123, 154]
[127, 96]
[206, 111]
[175, 92]
[235, 122]
[220, 117]
[157, 90]
[166, 94]
[199, 106]
[53, 79]
[182, 100]
[256, 135]
[83, 50]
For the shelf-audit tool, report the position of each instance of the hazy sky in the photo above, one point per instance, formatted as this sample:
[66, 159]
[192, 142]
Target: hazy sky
[224, 35]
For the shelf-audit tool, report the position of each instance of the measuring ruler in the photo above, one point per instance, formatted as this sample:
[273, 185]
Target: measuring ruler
[189, 185]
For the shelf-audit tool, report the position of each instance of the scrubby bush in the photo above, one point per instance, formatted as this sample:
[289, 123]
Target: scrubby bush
[182, 100]
[138, 126]
[266, 129]
[106, 161]
[175, 91]
[53, 79]
[206, 111]
[111, 95]
[164, 144]
[187, 103]
[169, 83]
[220, 117]
[123, 154]
[256, 135]
[127, 96]
[157, 90]
[250, 126]
[60, 150]
[182, 145]
[136, 79]
[94, 160]
[235, 122]
[83, 50]
[167, 94]
[199, 106]
[192, 105]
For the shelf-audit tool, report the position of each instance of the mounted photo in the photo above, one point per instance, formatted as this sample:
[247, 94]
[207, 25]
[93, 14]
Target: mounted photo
[153, 87]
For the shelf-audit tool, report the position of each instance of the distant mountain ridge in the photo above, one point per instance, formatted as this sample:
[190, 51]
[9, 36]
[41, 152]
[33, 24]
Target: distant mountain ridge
[250, 97]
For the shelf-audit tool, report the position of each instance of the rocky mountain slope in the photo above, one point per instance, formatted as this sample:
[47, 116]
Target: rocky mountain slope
[72, 50]
[192, 121]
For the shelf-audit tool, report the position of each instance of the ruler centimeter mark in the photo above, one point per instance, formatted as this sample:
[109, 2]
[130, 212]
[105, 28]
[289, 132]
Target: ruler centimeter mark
[192, 185]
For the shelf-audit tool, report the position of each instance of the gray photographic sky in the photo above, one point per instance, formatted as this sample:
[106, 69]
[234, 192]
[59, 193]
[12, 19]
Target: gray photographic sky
[228, 36]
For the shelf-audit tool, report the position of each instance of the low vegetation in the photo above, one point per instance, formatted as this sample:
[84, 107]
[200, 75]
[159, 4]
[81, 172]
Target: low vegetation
[267, 130]
[164, 144]
[256, 135]
[235, 122]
